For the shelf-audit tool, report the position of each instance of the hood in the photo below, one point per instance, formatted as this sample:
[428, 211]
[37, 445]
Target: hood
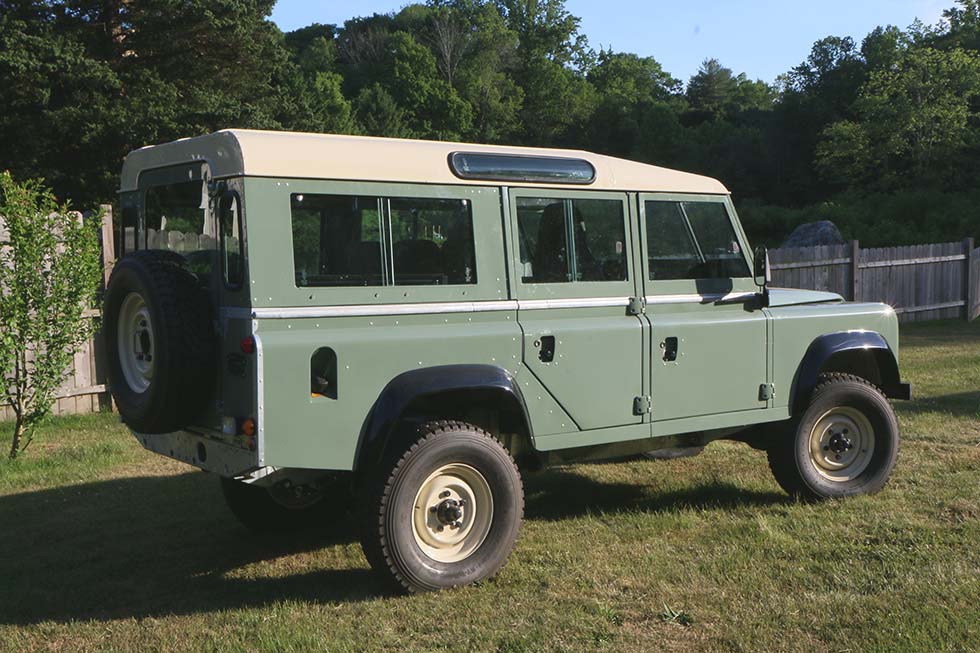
[794, 297]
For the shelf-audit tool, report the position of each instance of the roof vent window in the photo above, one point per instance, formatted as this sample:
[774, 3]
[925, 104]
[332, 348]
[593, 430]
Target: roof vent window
[521, 168]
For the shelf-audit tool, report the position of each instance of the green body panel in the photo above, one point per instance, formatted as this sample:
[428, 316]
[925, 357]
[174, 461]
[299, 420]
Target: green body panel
[301, 430]
[794, 329]
[721, 360]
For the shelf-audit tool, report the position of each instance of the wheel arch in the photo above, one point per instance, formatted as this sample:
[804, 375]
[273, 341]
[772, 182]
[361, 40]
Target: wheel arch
[484, 395]
[862, 353]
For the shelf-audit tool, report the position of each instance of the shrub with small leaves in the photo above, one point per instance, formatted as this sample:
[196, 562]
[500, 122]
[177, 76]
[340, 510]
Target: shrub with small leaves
[50, 272]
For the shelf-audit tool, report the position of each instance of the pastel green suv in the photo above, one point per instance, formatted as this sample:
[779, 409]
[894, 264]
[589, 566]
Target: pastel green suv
[396, 331]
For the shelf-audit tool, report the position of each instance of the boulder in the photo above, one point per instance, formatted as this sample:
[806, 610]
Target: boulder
[812, 234]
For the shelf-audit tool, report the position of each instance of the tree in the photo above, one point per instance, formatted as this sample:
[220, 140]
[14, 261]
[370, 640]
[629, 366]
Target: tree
[915, 123]
[631, 88]
[50, 270]
[712, 88]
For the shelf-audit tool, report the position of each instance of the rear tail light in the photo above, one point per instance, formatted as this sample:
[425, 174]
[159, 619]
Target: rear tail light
[248, 345]
[248, 427]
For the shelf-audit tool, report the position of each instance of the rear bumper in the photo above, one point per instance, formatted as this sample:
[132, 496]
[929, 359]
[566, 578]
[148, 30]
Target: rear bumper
[900, 391]
[206, 453]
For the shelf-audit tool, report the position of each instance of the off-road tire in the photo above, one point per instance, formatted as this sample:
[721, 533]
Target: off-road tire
[387, 532]
[793, 463]
[259, 512]
[183, 342]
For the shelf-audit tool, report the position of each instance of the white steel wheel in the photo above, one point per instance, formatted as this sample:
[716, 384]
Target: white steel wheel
[453, 512]
[842, 444]
[135, 343]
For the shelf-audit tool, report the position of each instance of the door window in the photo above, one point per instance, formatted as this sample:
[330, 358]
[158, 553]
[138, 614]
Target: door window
[568, 240]
[692, 240]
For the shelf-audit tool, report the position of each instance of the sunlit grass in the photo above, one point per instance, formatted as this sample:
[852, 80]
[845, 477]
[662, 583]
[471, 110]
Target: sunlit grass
[104, 546]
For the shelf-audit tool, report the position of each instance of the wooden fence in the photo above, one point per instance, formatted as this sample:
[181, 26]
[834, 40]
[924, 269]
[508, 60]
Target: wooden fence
[922, 282]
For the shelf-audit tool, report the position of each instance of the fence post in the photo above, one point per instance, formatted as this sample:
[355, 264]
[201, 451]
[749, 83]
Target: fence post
[969, 281]
[855, 270]
[108, 241]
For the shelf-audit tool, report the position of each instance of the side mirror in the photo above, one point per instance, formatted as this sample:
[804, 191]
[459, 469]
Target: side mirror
[763, 273]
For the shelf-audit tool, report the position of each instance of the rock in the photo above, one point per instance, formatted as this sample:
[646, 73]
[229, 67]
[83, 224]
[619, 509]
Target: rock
[812, 234]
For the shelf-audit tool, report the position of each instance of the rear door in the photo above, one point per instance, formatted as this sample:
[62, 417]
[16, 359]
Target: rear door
[572, 269]
[709, 335]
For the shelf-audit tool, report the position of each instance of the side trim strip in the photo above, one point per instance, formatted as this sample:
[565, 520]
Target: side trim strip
[381, 309]
[589, 302]
[363, 310]
[697, 298]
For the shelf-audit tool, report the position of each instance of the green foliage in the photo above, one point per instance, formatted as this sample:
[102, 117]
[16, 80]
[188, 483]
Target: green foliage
[907, 217]
[82, 82]
[917, 118]
[50, 270]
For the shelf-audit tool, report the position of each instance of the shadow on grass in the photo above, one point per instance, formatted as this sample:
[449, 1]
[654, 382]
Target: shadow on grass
[561, 493]
[960, 404]
[140, 547]
[147, 547]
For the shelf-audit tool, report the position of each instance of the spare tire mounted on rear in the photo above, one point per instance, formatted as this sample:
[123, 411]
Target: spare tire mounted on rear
[159, 342]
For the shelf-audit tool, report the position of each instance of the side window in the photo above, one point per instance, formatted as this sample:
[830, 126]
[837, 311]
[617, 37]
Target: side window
[692, 240]
[229, 214]
[176, 221]
[341, 240]
[432, 242]
[337, 240]
[565, 240]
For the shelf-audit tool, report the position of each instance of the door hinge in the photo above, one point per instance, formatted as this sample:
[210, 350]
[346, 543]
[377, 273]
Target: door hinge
[767, 391]
[642, 405]
[636, 306]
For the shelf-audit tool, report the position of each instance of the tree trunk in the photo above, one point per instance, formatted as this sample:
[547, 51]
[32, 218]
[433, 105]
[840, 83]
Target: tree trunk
[18, 436]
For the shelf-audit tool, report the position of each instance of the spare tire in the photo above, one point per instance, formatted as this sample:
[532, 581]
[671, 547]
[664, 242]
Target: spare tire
[159, 342]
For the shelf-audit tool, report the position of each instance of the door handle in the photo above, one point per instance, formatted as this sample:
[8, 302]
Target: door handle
[669, 345]
[546, 354]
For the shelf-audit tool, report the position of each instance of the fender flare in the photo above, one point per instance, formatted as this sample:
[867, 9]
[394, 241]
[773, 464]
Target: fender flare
[829, 345]
[382, 424]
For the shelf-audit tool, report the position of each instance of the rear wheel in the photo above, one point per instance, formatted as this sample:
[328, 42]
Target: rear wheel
[445, 512]
[844, 444]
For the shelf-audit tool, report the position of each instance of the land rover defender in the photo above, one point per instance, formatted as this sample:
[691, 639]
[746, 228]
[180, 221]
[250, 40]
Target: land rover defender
[402, 329]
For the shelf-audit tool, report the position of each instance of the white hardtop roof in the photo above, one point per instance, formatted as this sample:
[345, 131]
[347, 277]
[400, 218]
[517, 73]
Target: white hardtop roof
[241, 152]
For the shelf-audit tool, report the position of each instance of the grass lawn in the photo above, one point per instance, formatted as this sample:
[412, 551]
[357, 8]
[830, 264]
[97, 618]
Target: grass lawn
[106, 547]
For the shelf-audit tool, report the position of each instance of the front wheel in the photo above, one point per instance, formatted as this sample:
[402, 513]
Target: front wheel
[446, 512]
[844, 444]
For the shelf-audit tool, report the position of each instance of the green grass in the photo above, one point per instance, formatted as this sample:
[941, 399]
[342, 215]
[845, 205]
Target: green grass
[106, 547]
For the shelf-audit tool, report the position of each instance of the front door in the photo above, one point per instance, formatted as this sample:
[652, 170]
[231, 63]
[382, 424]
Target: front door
[573, 278]
[709, 334]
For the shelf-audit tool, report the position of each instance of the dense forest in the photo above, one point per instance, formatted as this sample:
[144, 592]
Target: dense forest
[881, 136]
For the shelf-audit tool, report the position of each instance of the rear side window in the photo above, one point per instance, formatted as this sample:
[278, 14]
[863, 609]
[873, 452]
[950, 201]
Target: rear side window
[567, 240]
[432, 242]
[692, 240]
[337, 240]
[344, 240]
